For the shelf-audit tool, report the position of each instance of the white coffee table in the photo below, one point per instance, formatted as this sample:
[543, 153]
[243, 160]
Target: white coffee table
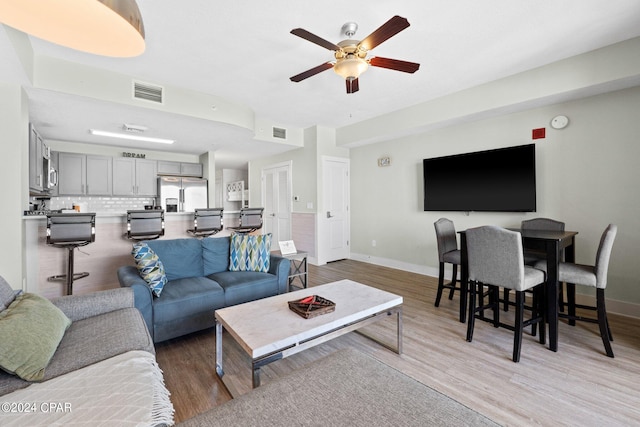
[267, 330]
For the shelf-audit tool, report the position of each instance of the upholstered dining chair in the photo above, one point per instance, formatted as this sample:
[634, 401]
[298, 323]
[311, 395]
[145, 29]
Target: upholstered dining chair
[448, 252]
[591, 276]
[531, 256]
[495, 258]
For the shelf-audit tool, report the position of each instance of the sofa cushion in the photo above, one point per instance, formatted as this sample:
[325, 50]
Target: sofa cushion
[215, 254]
[244, 286]
[30, 330]
[250, 252]
[7, 294]
[150, 267]
[184, 297]
[181, 257]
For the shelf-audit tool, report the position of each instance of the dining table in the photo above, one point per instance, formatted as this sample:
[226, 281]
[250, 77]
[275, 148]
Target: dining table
[554, 244]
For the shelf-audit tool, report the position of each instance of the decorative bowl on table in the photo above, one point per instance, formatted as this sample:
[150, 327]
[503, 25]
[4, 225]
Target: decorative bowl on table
[312, 306]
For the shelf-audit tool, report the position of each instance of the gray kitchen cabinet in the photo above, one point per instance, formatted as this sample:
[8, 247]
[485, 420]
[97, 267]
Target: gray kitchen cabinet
[38, 162]
[135, 177]
[99, 179]
[179, 168]
[83, 175]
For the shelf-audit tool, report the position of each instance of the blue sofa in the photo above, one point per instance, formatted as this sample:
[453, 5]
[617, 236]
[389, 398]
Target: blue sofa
[199, 282]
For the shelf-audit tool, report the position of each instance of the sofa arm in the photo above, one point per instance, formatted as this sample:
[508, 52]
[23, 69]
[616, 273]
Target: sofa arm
[78, 307]
[143, 298]
[280, 266]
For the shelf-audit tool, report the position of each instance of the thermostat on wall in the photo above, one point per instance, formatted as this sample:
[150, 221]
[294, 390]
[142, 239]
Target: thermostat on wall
[559, 122]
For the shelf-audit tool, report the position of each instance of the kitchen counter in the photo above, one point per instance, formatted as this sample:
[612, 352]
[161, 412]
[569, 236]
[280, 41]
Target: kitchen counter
[101, 258]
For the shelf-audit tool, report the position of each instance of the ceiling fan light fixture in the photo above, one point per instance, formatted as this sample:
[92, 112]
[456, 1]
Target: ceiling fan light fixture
[350, 67]
[103, 27]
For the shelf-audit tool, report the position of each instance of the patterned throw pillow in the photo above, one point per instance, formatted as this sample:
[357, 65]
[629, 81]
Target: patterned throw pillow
[250, 253]
[150, 267]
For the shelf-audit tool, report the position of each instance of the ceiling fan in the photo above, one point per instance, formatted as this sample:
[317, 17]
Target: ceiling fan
[351, 55]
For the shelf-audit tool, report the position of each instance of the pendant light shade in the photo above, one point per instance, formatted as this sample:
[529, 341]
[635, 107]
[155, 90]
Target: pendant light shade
[103, 27]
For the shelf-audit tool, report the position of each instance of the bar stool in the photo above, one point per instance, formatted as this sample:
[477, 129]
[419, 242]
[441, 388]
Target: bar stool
[70, 231]
[250, 220]
[207, 222]
[145, 224]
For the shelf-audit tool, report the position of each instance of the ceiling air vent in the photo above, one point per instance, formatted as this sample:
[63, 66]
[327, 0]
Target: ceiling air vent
[147, 92]
[279, 133]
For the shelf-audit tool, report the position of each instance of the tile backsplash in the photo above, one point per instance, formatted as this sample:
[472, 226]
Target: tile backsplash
[101, 204]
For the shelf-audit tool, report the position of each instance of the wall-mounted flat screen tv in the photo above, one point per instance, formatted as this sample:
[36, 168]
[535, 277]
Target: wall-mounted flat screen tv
[501, 180]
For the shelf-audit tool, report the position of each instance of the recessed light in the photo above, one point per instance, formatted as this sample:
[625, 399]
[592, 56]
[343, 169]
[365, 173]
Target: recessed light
[130, 137]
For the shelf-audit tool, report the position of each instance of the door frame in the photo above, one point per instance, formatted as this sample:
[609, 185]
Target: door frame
[321, 222]
[286, 164]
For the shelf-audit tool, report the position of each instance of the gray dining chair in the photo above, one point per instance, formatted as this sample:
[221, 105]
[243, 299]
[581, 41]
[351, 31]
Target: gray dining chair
[533, 256]
[495, 259]
[591, 276]
[448, 252]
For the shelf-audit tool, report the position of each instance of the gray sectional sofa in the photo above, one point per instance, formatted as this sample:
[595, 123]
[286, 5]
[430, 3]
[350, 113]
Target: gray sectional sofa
[198, 283]
[98, 332]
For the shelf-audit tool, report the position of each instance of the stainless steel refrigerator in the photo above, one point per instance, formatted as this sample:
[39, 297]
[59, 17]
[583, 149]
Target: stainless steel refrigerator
[182, 194]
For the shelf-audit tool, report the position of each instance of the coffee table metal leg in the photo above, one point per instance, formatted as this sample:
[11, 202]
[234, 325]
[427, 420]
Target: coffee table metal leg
[219, 369]
[256, 376]
[399, 314]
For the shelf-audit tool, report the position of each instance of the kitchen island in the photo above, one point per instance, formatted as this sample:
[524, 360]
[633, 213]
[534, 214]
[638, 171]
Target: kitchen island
[101, 258]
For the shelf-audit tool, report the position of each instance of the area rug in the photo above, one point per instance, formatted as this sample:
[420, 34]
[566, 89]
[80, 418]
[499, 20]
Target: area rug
[346, 388]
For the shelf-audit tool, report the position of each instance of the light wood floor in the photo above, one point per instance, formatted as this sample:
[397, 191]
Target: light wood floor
[577, 386]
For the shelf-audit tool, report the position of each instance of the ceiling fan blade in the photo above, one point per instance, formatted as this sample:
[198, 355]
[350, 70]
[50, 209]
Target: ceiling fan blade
[315, 39]
[312, 72]
[352, 85]
[394, 64]
[387, 30]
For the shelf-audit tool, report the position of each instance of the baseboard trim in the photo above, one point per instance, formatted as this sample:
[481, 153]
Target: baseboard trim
[613, 306]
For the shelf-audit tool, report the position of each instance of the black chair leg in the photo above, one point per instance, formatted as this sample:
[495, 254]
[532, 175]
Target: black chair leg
[454, 280]
[571, 302]
[602, 322]
[517, 339]
[472, 310]
[440, 284]
[561, 297]
[494, 301]
[505, 297]
[541, 314]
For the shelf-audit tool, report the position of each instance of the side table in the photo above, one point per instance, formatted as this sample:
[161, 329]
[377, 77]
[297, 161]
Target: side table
[298, 270]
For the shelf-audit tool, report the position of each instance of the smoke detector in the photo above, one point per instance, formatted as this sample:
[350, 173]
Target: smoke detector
[134, 128]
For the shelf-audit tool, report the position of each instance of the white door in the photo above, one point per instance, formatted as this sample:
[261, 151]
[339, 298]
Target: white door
[276, 200]
[334, 218]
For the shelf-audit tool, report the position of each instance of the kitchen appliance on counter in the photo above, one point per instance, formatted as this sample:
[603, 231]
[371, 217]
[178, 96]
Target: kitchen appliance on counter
[182, 194]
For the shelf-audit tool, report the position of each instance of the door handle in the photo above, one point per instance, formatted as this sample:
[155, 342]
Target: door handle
[329, 214]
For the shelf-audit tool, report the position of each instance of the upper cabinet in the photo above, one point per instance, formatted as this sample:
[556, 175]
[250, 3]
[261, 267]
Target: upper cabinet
[179, 168]
[81, 174]
[134, 177]
[39, 156]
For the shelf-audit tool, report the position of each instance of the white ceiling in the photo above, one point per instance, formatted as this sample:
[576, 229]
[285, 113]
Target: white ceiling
[242, 51]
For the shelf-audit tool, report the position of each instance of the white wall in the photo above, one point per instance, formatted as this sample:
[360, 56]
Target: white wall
[14, 147]
[587, 176]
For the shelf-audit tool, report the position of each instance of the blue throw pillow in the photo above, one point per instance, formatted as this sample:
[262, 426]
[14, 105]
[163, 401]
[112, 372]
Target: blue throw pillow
[250, 253]
[150, 267]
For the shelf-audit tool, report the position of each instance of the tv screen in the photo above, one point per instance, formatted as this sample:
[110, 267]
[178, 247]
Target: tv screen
[501, 180]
